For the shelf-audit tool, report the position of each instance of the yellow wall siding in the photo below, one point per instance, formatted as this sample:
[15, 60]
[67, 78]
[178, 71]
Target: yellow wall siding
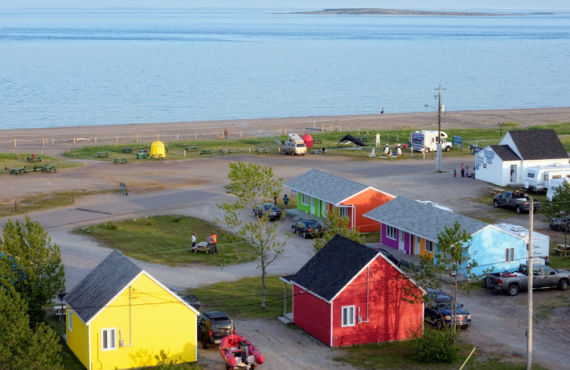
[423, 251]
[159, 322]
[77, 337]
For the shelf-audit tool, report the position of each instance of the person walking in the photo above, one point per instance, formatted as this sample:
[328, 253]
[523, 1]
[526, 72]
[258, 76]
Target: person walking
[214, 242]
[454, 172]
[467, 171]
[193, 240]
[462, 169]
[285, 200]
[275, 199]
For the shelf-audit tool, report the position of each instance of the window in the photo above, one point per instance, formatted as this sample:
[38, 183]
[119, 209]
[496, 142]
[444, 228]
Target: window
[509, 254]
[429, 246]
[391, 232]
[343, 211]
[305, 199]
[348, 316]
[108, 339]
[530, 175]
[70, 320]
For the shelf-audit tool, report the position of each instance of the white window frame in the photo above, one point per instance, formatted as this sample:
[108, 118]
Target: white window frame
[350, 320]
[109, 335]
[305, 199]
[391, 232]
[430, 244]
[509, 254]
[70, 320]
[343, 211]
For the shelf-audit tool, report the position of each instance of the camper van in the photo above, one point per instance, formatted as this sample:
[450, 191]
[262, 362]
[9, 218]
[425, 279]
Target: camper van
[540, 178]
[540, 242]
[294, 145]
[426, 141]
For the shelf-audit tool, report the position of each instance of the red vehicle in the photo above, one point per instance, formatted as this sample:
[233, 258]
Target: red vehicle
[238, 352]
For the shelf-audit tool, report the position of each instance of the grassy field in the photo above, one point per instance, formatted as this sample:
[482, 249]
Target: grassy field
[42, 201]
[242, 298]
[18, 160]
[166, 239]
[328, 140]
[400, 355]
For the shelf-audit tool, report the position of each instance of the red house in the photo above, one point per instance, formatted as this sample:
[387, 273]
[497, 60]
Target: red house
[350, 294]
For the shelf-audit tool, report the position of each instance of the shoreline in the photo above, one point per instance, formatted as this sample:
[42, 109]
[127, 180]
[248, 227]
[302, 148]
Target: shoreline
[74, 136]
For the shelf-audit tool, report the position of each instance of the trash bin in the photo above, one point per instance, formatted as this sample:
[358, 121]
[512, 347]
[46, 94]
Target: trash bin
[141, 155]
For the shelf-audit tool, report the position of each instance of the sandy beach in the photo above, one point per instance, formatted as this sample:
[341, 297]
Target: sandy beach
[58, 139]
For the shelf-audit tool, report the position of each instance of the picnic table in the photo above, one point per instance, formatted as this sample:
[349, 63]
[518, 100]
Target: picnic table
[205, 151]
[562, 250]
[18, 171]
[48, 168]
[191, 148]
[127, 150]
[261, 150]
[225, 151]
[202, 247]
[317, 141]
[102, 154]
[34, 158]
[120, 161]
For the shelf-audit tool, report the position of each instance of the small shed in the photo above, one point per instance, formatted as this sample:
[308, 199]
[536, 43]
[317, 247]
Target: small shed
[308, 139]
[350, 294]
[157, 149]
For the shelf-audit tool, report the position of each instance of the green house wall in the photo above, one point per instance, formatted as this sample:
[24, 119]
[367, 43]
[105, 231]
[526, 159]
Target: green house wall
[307, 207]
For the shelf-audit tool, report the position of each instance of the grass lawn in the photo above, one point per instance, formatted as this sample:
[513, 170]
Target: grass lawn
[41, 201]
[400, 355]
[242, 298]
[166, 239]
[328, 140]
[68, 358]
[18, 160]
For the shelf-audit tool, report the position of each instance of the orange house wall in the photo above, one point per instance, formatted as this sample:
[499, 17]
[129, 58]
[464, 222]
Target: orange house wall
[364, 202]
[390, 317]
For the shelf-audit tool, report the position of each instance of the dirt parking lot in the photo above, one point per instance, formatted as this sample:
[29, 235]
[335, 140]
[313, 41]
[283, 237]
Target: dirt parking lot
[499, 322]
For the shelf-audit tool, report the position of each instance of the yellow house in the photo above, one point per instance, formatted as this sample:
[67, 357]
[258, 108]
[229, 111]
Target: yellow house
[120, 317]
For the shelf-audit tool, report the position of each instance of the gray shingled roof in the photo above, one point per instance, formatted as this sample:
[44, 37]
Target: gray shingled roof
[333, 267]
[421, 219]
[325, 186]
[505, 152]
[101, 285]
[538, 144]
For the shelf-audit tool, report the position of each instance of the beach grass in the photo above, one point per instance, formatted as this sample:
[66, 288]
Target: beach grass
[19, 160]
[242, 298]
[166, 240]
[328, 140]
[41, 201]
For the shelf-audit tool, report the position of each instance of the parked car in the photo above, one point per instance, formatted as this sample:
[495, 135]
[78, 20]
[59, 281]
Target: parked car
[560, 223]
[308, 228]
[273, 212]
[516, 200]
[192, 300]
[513, 282]
[213, 326]
[391, 257]
[438, 311]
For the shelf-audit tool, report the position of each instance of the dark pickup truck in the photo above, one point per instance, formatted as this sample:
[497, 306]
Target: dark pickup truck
[516, 200]
[513, 282]
[213, 326]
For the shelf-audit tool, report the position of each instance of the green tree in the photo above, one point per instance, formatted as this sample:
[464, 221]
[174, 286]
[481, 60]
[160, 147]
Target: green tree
[253, 184]
[22, 347]
[560, 203]
[33, 264]
[336, 224]
[451, 265]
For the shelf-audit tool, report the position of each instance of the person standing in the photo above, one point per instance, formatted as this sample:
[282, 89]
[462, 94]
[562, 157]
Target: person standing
[454, 172]
[193, 240]
[275, 199]
[462, 169]
[214, 242]
[285, 200]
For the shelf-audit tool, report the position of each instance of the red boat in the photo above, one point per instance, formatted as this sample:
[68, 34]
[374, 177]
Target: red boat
[239, 353]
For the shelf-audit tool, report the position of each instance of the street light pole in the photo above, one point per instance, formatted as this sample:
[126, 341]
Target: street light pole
[438, 156]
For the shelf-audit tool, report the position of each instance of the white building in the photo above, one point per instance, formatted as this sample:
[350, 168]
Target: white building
[505, 164]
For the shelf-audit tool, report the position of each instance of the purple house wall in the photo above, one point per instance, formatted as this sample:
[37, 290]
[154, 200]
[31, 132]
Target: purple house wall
[387, 241]
[407, 243]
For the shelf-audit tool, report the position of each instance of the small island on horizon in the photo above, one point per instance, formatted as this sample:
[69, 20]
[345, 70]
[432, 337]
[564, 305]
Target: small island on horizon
[379, 11]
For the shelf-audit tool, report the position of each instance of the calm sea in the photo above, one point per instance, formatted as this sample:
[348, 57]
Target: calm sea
[69, 67]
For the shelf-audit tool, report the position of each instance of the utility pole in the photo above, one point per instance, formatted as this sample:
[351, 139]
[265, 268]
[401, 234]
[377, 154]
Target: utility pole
[530, 286]
[438, 156]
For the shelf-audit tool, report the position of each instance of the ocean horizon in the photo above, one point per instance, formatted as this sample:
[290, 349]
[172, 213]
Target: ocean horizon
[68, 67]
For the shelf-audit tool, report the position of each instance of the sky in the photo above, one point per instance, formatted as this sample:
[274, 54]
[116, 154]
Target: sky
[561, 5]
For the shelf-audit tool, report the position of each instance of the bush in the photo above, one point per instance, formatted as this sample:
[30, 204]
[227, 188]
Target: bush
[109, 226]
[436, 346]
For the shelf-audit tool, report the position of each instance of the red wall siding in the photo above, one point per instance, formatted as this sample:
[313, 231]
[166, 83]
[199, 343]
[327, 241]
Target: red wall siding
[312, 314]
[364, 202]
[390, 318]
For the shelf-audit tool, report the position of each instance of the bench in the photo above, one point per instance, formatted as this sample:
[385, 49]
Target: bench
[34, 159]
[102, 154]
[18, 171]
[120, 161]
[224, 151]
[191, 148]
[205, 151]
[127, 150]
[48, 168]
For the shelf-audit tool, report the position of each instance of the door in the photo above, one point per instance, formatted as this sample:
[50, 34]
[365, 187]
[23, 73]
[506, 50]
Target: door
[325, 209]
[513, 173]
[401, 241]
[312, 206]
[417, 245]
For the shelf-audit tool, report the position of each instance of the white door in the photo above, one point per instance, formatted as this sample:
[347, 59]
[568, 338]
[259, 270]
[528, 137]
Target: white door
[513, 173]
[417, 245]
[401, 243]
[325, 209]
[312, 206]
